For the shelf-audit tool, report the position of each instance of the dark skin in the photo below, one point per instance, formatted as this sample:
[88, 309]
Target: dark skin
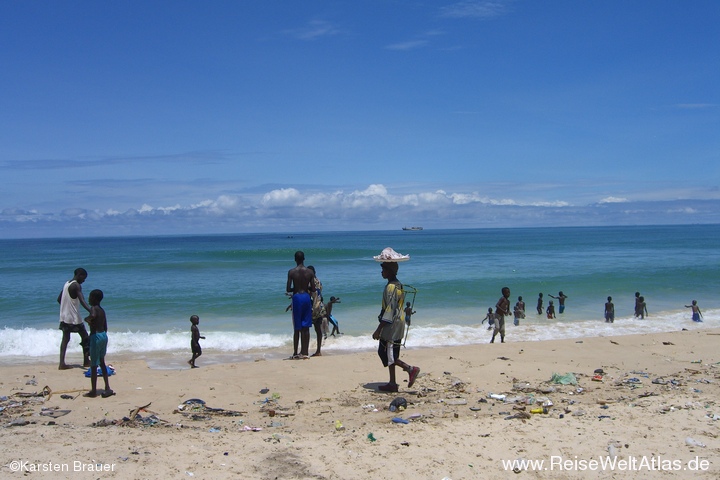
[300, 280]
[391, 277]
[560, 298]
[502, 308]
[195, 332]
[75, 291]
[98, 324]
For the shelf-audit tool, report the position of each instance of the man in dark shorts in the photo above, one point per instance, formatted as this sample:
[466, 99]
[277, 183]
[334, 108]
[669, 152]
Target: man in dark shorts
[300, 285]
[70, 298]
[391, 328]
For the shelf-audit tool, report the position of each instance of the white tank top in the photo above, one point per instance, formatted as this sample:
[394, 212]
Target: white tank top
[69, 306]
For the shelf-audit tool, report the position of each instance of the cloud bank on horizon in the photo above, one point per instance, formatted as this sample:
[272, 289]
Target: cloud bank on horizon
[254, 117]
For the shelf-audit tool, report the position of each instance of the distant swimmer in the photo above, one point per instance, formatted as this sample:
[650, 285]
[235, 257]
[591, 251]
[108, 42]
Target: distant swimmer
[518, 311]
[550, 310]
[331, 317]
[490, 317]
[409, 312]
[561, 301]
[696, 313]
[609, 311]
[641, 307]
[540, 304]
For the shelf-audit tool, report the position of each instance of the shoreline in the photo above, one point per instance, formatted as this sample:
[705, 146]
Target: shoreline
[171, 359]
[657, 399]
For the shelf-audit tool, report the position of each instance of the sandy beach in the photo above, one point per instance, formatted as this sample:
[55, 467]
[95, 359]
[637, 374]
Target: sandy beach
[653, 412]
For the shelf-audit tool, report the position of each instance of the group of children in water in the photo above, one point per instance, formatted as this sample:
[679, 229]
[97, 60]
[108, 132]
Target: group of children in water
[496, 320]
[519, 310]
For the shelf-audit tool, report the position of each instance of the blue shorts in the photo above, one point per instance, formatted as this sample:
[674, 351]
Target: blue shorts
[561, 309]
[302, 311]
[98, 348]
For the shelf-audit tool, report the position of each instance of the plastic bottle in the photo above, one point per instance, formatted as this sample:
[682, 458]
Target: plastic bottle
[612, 451]
[539, 410]
[693, 443]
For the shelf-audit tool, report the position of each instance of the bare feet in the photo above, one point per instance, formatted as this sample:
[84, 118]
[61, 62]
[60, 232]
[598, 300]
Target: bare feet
[316, 354]
[91, 394]
[107, 393]
[64, 367]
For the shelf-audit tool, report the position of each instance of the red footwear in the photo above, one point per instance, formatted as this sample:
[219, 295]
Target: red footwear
[414, 371]
[389, 387]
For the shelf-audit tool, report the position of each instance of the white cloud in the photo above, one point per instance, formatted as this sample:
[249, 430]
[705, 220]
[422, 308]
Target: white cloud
[475, 9]
[283, 197]
[613, 200]
[409, 45]
[374, 207]
[696, 106]
[314, 30]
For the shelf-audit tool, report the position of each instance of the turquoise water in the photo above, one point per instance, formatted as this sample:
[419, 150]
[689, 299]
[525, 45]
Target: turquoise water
[236, 284]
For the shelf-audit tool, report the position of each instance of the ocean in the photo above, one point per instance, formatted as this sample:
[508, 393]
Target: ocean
[236, 284]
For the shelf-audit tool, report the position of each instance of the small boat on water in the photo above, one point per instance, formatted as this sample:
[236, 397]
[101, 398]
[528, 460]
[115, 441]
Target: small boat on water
[412, 228]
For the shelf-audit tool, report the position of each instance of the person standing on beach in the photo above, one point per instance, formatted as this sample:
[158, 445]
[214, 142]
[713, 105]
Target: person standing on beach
[502, 308]
[518, 311]
[98, 344]
[540, 304]
[609, 311]
[561, 301]
[319, 314]
[195, 340]
[70, 299]
[300, 284]
[696, 313]
[391, 328]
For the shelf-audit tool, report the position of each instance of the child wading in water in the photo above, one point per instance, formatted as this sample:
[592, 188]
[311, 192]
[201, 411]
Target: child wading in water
[551, 310]
[98, 344]
[696, 313]
[195, 340]
[501, 310]
[490, 317]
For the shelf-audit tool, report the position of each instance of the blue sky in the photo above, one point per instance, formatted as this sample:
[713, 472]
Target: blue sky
[165, 117]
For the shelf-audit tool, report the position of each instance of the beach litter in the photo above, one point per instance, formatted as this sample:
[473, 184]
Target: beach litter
[134, 419]
[54, 412]
[691, 442]
[567, 379]
[398, 403]
[196, 409]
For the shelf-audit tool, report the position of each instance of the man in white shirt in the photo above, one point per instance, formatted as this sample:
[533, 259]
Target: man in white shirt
[70, 299]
